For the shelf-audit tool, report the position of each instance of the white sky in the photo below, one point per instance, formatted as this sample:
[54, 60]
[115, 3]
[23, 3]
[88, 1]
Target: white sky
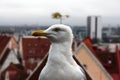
[16, 12]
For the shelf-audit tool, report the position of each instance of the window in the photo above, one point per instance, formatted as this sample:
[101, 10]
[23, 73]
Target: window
[31, 60]
[29, 44]
[85, 66]
[109, 62]
[41, 51]
[35, 44]
[46, 45]
[31, 51]
[38, 59]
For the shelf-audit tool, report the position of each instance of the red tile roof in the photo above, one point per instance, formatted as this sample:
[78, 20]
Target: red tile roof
[89, 44]
[110, 61]
[4, 49]
[3, 43]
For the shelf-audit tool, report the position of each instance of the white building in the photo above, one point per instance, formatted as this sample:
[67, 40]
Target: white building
[94, 25]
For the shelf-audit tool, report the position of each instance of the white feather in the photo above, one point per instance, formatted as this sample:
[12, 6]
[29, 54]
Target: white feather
[60, 64]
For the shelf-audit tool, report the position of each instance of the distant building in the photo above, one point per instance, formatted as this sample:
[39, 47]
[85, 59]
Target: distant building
[33, 51]
[80, 32]
[7, 30]
[111, 34]
[94, 25]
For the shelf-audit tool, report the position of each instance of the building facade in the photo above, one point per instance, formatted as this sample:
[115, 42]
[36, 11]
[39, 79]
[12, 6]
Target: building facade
[80, 32]
[111, 34]
[94, 25]
[33, 51]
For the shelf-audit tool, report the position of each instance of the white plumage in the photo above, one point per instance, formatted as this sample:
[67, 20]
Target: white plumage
[60, 64]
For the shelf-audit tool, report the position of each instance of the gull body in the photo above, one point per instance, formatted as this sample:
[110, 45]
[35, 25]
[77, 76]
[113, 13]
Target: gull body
[60, 64]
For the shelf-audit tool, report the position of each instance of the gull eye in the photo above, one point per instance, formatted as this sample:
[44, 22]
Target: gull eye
[56, 29]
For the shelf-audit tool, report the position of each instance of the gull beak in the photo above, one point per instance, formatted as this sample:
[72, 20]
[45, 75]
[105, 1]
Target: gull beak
[39, 33]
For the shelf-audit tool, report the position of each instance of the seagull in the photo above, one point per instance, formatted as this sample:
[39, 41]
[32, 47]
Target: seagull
[60, 64]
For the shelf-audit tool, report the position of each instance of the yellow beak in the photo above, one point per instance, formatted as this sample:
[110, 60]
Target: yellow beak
[39, 33]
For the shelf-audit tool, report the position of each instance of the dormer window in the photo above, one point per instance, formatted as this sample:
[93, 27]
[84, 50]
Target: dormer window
[31, 51]
[41, 51]
[85, 66]
[29, 44]
[36, 44]
[31, 60]
[109, 61]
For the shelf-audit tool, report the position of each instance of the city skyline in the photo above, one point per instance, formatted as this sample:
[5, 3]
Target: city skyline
[38, 12]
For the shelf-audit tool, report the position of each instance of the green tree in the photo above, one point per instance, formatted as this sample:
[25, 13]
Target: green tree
[59, 16]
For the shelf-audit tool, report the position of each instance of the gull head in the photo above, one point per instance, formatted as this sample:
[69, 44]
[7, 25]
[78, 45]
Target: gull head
[57, 33]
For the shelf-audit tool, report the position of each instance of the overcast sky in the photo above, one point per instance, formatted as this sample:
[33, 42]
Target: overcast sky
[32, 12]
